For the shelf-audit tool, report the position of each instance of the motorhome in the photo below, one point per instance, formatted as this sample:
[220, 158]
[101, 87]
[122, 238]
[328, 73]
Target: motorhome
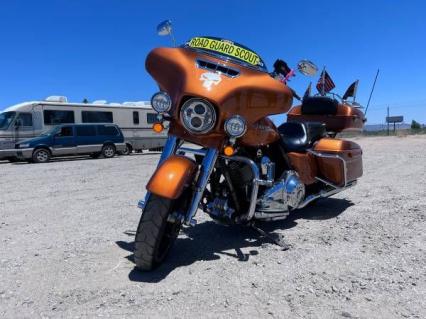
[30, 119]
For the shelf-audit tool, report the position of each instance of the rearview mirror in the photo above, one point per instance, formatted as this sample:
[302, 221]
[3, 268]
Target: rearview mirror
[307, 67]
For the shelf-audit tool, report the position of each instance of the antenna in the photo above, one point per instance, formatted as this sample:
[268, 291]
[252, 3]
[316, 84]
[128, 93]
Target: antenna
[371, 93]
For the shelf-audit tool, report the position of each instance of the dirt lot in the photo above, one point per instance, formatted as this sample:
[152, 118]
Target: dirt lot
[66, 247]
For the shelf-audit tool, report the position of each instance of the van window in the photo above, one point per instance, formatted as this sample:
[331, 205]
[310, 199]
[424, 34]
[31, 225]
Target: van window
[65, 131]
[107, 130]
[85, 130]
[135, 117]
[151, 118]
[96, 117]
[53, 117]
[26, 119]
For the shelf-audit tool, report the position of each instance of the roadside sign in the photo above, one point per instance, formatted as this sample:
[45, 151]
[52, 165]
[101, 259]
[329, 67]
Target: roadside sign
[394, 119]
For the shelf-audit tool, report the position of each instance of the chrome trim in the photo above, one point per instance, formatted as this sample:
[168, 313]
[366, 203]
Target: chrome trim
[285, 195]
[256, 178]
[237, 117]
[324, 194]
[183, 150]
[208, 108]
[217, 64]
[271, 216]
[256, 183]
[333, 156]
[206, 169]
[169, 148]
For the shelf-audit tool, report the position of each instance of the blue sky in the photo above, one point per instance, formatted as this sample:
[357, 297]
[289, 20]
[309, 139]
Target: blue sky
[96, 49]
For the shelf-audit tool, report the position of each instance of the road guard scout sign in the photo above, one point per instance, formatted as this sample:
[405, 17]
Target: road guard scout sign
[226, 47]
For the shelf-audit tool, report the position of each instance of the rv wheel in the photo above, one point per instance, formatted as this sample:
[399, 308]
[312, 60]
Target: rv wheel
[108, 151]
[41, 155]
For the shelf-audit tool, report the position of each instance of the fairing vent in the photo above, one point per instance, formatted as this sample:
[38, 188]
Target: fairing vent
[215, 67]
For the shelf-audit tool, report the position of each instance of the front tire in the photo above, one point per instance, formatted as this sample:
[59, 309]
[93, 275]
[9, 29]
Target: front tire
[108, 151]
[41, 155]
[155, 234]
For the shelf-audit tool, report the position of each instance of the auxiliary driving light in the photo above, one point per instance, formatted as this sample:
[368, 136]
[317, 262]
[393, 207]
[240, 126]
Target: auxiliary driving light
[161, 102]
[235, 126]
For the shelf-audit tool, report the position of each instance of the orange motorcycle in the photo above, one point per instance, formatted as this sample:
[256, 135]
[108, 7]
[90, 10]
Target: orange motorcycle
[224, 155]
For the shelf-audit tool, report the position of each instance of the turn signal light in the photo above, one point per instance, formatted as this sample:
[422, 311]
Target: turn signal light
[158, 127]
[228, 150]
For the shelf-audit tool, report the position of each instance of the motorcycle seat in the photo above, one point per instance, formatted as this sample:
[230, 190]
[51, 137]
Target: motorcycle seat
[319, 105]
[298, 136]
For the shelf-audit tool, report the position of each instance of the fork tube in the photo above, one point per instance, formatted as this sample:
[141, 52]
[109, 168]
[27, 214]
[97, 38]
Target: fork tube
[169, 149]
[206, 169]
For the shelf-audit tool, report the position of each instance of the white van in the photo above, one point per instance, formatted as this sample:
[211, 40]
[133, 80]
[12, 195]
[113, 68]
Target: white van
[30, 119]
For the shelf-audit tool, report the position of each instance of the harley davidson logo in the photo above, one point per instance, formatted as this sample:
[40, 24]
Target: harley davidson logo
[209, 79]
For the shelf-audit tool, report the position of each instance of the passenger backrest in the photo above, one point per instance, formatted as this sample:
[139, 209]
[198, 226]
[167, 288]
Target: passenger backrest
[319, 105]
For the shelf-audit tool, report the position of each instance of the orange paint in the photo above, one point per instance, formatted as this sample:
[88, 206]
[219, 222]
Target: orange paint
[331, 168]
[172, 175]
[253, 94]
[346, 118]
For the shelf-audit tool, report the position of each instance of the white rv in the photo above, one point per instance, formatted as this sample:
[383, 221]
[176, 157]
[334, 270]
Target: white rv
[30, 119]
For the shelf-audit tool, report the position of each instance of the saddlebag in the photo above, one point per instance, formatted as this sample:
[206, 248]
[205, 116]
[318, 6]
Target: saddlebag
[337, 157]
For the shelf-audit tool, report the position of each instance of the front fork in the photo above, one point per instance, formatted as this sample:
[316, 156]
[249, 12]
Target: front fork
[207, 165]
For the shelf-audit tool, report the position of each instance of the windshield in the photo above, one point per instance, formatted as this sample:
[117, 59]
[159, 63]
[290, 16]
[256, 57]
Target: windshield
[5, 119]
[229, 50]
[51, 131]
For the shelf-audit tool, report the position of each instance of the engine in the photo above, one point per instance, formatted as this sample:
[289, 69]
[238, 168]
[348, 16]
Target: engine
[283, 196]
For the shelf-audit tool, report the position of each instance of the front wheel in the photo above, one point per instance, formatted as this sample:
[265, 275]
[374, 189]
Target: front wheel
[108, 151]
[155, 234]
[41, 155]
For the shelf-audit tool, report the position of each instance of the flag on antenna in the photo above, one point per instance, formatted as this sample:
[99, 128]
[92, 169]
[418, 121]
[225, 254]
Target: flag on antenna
[351, 91]
[308, 91]
[164, 28]
[325, 83]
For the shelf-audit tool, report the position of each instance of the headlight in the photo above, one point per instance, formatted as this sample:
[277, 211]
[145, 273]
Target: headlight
[235, 126]
[198, 116]
[24, 145]
[161, 102]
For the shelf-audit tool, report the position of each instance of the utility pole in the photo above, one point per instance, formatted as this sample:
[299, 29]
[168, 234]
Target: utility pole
[387, 120]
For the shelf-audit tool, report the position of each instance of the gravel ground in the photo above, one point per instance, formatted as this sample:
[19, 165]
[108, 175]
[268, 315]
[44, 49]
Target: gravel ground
[66, 247]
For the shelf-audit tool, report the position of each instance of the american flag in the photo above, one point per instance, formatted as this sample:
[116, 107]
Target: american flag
[325, 83]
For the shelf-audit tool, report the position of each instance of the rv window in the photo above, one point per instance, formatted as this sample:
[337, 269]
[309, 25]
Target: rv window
[85, 131]
[151, 118]
[107, 130]
[5, 119]
[65, 131]
[135, 117]
[53, 117]
[26, 119]
[96, 117]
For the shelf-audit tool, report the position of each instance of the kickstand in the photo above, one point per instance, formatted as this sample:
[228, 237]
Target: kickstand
[277, 239]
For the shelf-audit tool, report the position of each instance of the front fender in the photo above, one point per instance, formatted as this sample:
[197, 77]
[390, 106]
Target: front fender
[171, 177]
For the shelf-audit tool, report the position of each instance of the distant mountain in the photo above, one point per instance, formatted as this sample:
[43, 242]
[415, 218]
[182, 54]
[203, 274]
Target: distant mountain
[383, 127]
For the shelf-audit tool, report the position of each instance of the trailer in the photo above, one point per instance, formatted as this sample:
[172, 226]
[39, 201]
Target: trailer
[30, 119]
